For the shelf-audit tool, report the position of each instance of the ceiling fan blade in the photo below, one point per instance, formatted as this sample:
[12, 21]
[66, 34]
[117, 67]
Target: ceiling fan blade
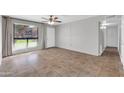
[55, 17]
[45, 18]
[44, 21]
[58, 21]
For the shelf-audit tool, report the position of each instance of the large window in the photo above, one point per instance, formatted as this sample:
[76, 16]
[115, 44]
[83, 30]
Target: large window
[25, 36]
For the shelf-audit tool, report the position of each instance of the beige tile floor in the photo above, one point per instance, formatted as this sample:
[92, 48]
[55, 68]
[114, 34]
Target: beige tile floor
[57, 62]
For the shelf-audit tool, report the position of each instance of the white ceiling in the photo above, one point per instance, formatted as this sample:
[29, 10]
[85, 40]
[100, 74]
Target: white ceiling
[63, 18]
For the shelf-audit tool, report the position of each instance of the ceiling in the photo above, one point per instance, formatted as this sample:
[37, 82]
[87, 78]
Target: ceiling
[63, 18]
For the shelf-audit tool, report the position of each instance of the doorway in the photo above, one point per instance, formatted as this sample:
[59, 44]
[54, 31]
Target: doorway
[112, 36]
[108, 37]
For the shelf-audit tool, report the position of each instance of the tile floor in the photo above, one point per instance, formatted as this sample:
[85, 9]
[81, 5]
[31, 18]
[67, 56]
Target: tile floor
[57, 62]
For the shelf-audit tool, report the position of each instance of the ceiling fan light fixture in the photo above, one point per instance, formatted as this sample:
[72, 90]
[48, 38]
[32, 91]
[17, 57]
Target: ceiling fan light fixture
[51, 20]
[51, 23]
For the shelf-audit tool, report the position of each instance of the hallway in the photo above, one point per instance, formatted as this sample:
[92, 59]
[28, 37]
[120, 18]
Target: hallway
[57, 62]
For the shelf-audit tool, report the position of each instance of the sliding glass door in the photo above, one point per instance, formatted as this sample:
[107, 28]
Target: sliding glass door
[25, 37]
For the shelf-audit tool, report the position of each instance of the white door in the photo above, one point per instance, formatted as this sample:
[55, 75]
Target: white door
[112, 36]
[50, 42]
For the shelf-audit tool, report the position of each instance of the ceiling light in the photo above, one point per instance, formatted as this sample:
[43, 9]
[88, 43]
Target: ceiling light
[103, 27]
[51, 23]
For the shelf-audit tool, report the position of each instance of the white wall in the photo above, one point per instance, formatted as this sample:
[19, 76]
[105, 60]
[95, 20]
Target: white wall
[50, 37]
[82, 36]
[112, 36]
[122, 40]
[0, 39]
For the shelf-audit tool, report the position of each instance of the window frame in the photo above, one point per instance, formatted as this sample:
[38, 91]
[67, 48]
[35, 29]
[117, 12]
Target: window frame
[27, 39]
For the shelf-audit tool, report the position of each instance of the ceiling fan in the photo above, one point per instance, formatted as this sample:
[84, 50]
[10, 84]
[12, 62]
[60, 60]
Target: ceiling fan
[51, 20]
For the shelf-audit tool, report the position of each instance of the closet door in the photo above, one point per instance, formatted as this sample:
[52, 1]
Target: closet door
[50, 41]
